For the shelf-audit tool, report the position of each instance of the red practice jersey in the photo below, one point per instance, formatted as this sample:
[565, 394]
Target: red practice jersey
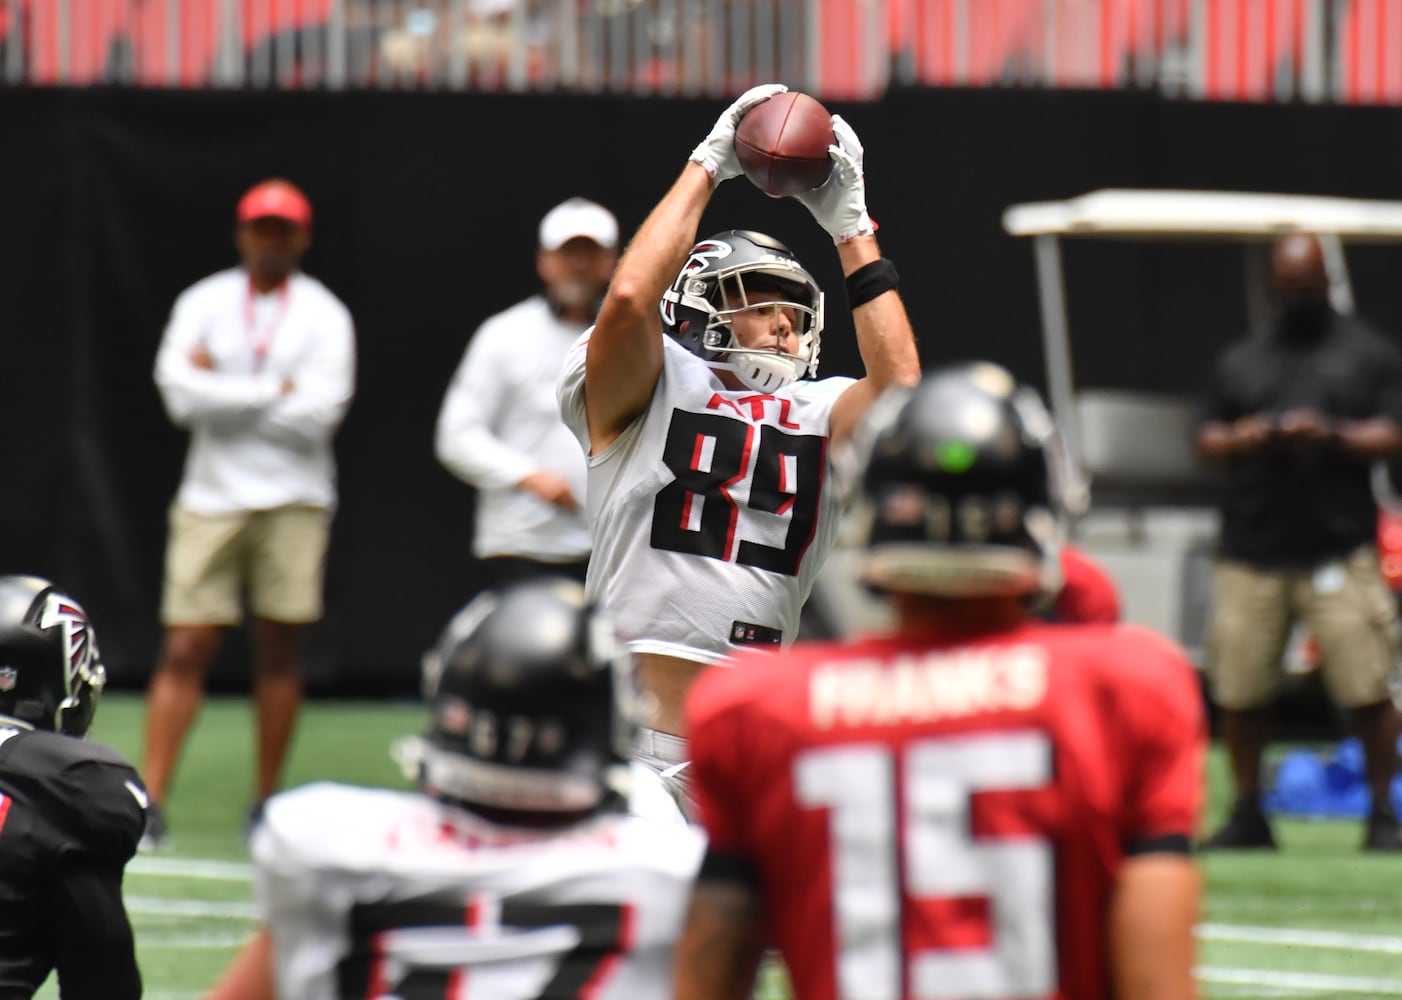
[1087, 596]
[947, 821]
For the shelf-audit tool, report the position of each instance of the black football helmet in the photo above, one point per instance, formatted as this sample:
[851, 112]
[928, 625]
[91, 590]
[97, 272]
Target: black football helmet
[714, 284]
[51, 674]
[963, 483]
[534, 705]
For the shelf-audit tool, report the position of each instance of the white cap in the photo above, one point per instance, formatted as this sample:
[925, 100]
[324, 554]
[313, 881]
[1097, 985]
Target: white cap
[578, 217]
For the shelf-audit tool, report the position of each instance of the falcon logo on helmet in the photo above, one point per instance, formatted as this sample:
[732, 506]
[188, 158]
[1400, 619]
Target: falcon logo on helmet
[79, 652]
[715, 284]
[51, 674]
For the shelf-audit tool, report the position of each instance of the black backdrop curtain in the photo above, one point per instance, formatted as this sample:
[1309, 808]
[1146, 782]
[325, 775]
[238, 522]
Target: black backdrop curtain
[426, 205]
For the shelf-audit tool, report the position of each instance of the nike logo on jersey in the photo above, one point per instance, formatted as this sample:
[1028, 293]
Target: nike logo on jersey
[138, 793]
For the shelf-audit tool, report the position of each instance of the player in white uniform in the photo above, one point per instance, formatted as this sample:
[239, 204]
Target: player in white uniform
[711, 495]
[515, 872]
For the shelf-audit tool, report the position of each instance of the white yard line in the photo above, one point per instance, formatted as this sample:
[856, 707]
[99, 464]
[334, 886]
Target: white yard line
[219, 871]
[156, 906]
[1304, 981]
[192, 942]
[1291, 937]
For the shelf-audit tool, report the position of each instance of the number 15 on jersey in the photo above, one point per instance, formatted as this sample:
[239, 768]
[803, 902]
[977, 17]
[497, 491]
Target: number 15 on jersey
[905, 869]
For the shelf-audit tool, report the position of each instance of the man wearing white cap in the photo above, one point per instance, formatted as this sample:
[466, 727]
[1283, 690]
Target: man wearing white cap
[500, 428]
[258, 363]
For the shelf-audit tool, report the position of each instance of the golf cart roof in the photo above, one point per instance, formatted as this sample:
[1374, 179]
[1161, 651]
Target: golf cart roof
[1232, 215]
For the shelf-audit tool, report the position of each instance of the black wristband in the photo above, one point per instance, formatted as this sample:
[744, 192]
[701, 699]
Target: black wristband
[871, 280]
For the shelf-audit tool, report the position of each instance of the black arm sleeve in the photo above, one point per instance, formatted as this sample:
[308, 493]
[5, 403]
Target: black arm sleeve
[94, 953]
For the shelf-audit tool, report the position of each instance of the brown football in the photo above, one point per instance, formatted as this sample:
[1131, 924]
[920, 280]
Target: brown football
[782, 144]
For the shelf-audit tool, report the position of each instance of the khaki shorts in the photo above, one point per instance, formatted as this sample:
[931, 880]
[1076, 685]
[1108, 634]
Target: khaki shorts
[278, 556]
[1345, 605]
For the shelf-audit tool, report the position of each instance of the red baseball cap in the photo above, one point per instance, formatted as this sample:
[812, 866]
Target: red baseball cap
[276, 199]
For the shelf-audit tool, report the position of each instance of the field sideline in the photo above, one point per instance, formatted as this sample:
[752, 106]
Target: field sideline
[1320, 919]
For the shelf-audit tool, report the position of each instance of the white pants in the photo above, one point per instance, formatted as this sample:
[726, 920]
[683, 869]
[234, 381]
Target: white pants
[667, 756]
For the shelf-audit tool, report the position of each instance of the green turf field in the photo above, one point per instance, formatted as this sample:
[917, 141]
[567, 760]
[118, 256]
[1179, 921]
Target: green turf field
[1319, 919]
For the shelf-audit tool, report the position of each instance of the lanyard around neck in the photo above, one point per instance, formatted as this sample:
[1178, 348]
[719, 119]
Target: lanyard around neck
[261, 338]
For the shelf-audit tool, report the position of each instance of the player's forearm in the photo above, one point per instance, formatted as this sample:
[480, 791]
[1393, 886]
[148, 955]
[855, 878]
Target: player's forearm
[720, 948]
[884, 335]
[1151, 918]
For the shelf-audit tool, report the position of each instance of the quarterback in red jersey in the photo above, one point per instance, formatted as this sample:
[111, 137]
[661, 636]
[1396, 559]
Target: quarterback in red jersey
[979, 805]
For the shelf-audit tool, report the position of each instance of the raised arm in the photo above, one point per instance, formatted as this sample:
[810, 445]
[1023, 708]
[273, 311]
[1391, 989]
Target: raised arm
[884, 339]
[625, 349]
[884, 336]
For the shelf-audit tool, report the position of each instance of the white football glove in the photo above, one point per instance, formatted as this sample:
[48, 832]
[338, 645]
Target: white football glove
[716, 152]
[840, 205]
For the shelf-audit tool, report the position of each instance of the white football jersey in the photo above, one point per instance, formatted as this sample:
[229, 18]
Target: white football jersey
[712, 513]
[384, 894]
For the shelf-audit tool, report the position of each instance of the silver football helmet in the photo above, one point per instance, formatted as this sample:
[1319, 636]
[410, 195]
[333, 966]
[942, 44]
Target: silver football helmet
[715, 283]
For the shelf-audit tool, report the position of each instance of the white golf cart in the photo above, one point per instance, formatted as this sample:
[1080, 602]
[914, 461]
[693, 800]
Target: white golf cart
[1150, 516]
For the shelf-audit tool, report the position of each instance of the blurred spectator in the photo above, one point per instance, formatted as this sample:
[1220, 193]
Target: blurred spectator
[258, 363]
[1299, 412]
[500, 429]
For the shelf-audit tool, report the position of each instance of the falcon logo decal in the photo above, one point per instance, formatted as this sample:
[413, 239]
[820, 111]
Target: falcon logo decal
[78, 646]
[702, 255]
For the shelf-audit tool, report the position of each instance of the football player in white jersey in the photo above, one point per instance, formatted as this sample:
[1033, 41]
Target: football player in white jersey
[515, 872]
[711, 494]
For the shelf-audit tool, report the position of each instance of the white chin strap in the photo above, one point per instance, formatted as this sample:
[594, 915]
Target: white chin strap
[765, 371]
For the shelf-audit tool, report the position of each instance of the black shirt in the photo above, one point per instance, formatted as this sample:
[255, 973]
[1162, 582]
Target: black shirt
[1298, 506]
[71, 813]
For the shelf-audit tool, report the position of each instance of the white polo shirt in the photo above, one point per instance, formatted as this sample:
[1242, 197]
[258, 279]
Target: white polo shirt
[500, 422]
[252, 447]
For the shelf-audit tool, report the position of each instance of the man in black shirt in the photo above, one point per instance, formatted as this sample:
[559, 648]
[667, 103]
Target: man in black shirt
[1299, 413]
[71, 811]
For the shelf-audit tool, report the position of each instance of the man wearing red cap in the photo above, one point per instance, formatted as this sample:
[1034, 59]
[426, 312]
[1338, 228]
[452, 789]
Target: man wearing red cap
[257, 363]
